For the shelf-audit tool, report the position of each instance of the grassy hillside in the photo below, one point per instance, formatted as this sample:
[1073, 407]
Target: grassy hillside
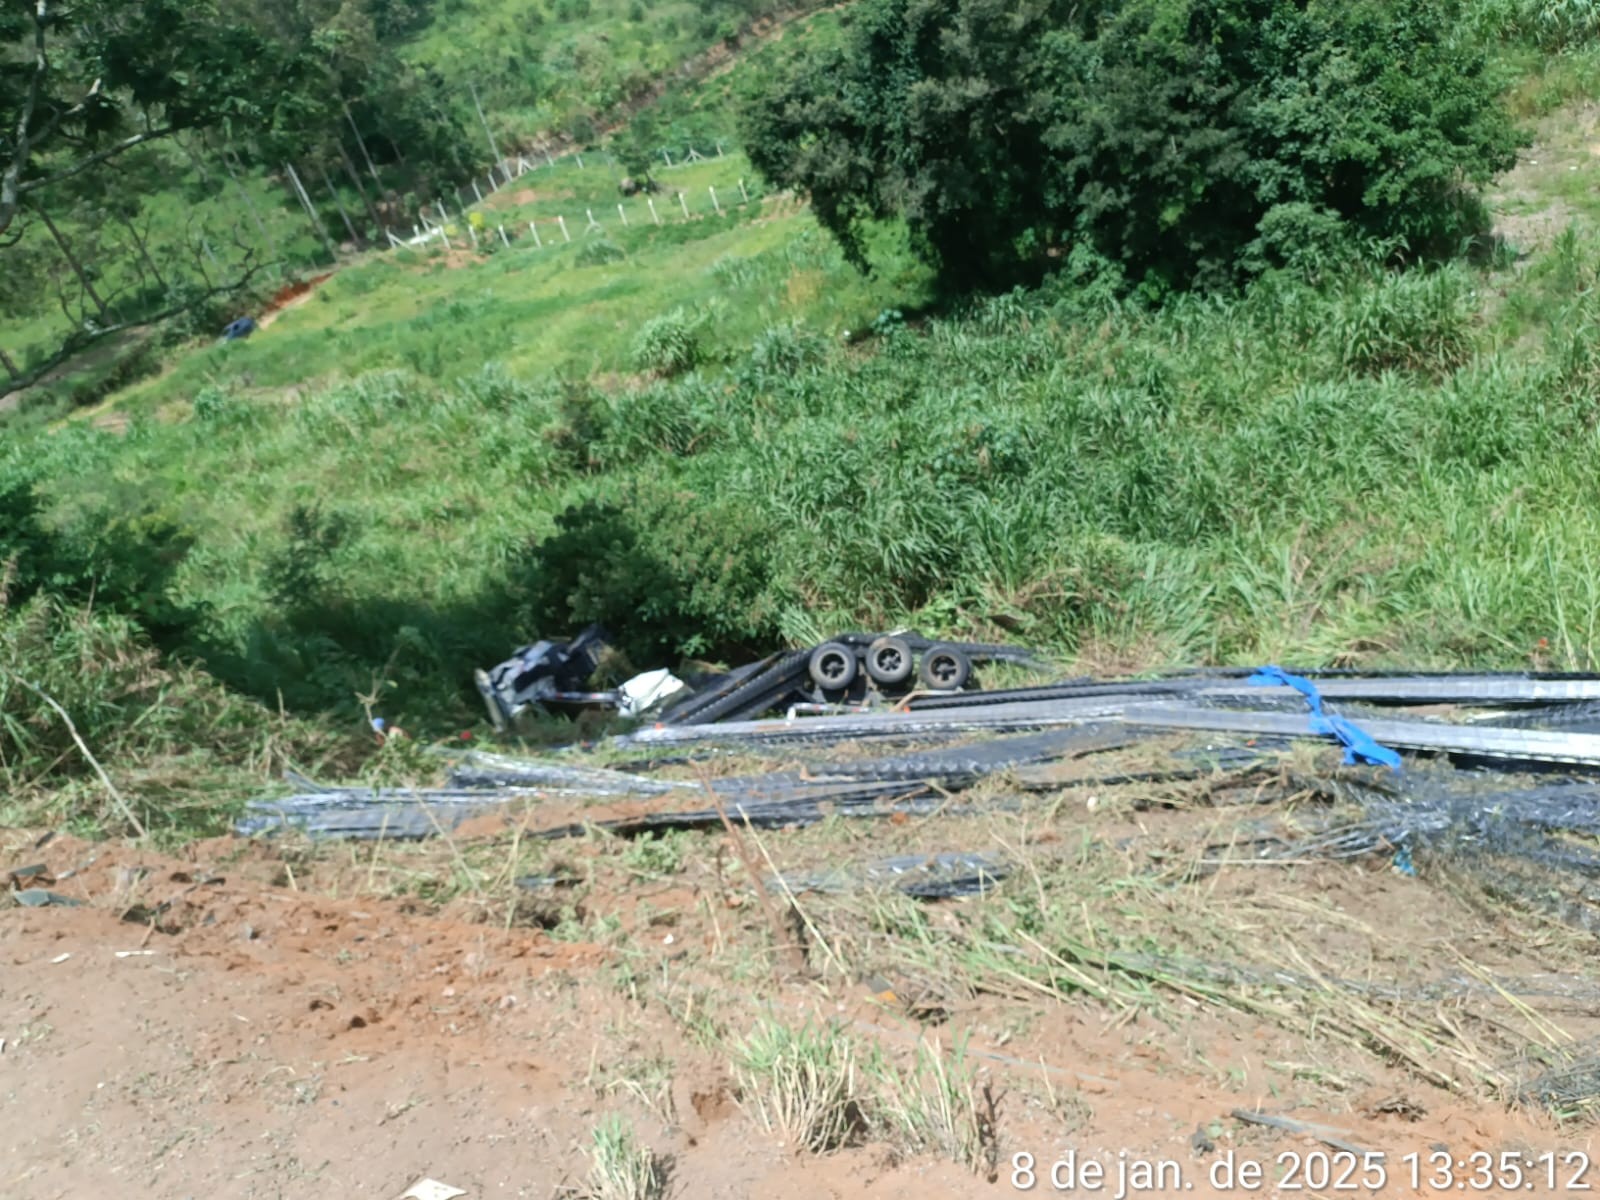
[564, 66]
[751, 442]
[563, 73]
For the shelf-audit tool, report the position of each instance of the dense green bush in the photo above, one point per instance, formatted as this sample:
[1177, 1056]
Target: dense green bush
[121, 555]
[669, 572]
[1191, 142]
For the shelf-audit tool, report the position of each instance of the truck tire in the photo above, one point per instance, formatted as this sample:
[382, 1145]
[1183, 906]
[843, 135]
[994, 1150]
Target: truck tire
[833, 666]
[945, 668]
[890, 661]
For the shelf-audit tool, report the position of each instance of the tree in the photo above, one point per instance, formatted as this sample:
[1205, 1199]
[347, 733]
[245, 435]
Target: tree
[1161, 134]
[82, 84]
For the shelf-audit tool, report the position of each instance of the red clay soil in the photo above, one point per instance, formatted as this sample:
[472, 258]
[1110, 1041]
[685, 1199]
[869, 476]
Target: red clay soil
[291, 295]
[201, 1027]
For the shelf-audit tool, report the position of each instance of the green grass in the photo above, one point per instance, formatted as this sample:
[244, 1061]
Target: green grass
[1382, 470]
[1374, 467]
[562, 65]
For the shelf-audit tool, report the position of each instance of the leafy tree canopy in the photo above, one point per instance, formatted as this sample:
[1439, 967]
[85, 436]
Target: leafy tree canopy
[85, 82]
[1188, 141]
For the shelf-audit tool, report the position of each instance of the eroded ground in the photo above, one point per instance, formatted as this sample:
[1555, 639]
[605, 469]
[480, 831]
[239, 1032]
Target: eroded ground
[275, 1018]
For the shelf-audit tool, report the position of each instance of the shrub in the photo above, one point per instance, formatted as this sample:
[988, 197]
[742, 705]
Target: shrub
[1161, 133]
[666, 572]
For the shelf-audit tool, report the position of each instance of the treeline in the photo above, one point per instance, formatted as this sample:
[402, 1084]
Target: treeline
[1157, 144]
[135, 140]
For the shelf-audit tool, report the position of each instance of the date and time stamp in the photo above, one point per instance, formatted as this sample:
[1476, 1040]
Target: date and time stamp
[1313, 1172]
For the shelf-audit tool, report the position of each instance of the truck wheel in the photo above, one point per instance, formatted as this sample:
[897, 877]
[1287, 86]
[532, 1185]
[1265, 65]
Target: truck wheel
[889, 661]
[945, 668]
[833, 666]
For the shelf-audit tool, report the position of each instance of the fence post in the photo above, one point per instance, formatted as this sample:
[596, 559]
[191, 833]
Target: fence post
[621, 212]
[444, 217]
[667, 156]
[445, 238]
[744, 193]
[316, 221]
[504, 239]
[534, 229]
[654, 215]
[493, 148]
[683, 204]
[579, 157]
[562, 221]
[473, 234]
[719, 149]
[714, 203]
[476, 192]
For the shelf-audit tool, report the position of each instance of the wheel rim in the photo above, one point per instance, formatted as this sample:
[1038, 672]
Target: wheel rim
[833, 667]
[944, 668]
[889, 660]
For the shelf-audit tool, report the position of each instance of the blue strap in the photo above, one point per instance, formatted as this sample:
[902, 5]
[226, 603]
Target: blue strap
[1358, 744]
[1278, 677]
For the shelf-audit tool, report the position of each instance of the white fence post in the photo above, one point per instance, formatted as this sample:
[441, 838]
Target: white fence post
[714, 203]
[534, 229]
[476, 192]
[621, 212]
[667, 156]
[473, 234]
[683, 204]
[744, 193]
[563, 223]
[654, 215]
[504, 239]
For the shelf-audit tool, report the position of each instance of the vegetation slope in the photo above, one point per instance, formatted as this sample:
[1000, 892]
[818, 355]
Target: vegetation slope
[716, 434]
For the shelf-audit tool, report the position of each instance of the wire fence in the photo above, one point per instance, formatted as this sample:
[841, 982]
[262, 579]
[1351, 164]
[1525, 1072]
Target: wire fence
[648, 204]
[457, 218]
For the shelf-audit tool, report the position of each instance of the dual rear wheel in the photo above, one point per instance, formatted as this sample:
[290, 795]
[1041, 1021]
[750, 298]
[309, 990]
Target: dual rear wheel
[889, 662]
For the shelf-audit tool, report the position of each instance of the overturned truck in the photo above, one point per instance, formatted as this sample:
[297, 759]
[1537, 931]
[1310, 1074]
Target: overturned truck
[850, 670]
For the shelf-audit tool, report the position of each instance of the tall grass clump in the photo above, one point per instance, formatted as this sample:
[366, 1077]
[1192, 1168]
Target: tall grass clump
[669, 344]
[937, 1106]
[180, 750]
[803, 1084]
[1408, 321]
[620, 1168]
